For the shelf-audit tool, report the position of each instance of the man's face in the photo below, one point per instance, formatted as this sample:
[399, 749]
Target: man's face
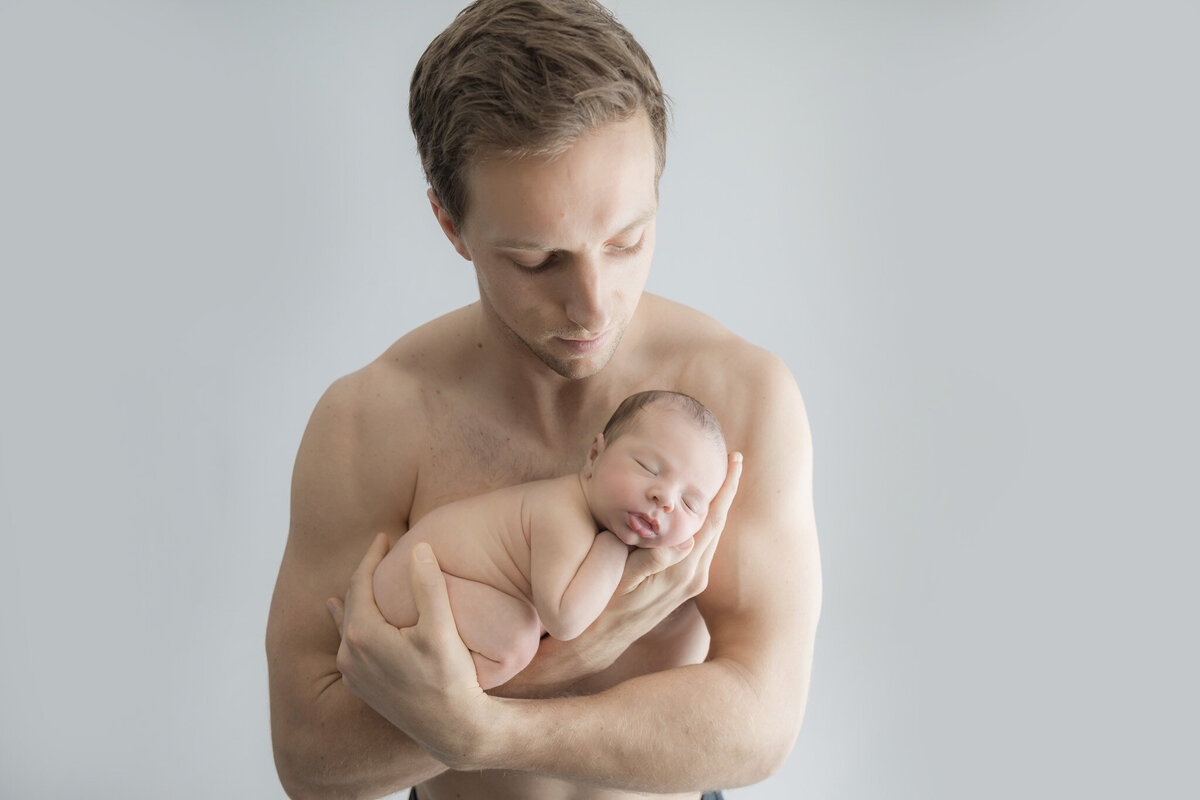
[562, 247]
[652, 486]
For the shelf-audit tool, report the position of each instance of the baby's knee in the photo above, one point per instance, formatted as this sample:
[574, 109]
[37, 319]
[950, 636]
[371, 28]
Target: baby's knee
[394, 600]
[529, 637]
[521, 649]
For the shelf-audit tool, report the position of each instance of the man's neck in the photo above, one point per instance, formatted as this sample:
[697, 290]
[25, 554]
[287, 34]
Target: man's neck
[555, 409]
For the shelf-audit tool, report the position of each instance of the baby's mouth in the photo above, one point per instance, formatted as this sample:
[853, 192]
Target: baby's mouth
[642, 525]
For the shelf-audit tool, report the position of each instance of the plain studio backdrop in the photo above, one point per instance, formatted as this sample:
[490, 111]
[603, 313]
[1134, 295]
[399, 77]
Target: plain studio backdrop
[969, 228]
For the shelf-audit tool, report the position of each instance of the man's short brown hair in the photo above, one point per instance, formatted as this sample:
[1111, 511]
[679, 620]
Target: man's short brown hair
[519, 78]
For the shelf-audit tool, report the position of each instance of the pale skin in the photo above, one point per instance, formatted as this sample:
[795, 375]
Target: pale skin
[718, 641]
[547, 556]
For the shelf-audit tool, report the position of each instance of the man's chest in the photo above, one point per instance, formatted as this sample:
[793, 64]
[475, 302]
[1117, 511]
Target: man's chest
[468, 455]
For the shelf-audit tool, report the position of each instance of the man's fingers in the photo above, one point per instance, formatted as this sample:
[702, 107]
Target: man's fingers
[375, 553]
[361, 582]
[714, 523]
[429, 588]
[733, 477]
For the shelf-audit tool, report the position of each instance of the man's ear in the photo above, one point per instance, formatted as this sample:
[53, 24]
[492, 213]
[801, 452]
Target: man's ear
[594, 453]
[447, 225]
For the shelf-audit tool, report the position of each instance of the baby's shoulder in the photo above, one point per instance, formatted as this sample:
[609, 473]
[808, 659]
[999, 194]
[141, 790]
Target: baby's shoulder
[555, 502]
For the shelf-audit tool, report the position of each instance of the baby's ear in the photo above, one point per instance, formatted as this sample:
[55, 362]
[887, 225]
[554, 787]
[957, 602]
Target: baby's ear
[593, 453]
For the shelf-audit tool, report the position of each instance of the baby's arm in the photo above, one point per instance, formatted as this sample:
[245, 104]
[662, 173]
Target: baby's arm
[574, 572]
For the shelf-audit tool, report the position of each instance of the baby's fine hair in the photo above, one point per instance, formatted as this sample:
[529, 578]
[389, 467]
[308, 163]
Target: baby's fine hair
[632, 406]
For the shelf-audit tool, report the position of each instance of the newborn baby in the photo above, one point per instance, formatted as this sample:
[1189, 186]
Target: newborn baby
[546, 556]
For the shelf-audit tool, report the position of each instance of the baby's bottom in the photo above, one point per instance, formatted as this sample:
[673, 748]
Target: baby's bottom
[501, 631]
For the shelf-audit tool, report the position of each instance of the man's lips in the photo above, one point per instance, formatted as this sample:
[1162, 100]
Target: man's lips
[642, 525]
[582, 347]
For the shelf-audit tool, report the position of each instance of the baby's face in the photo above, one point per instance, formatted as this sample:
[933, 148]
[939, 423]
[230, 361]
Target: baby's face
[652, 486]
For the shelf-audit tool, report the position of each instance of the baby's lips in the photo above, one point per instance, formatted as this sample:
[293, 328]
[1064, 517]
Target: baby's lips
[642, 525]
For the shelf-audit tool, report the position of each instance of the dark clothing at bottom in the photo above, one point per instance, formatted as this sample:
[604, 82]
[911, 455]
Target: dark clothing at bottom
[412, 795]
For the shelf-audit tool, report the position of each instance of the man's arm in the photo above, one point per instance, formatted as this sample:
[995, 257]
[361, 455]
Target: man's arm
[345, 488]
[730, 721]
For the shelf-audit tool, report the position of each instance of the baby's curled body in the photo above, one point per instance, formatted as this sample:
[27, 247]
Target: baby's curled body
[483, 545]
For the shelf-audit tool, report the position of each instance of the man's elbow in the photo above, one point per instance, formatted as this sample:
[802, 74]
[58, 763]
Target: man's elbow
[298, 789]
[301, 783]
[296, 775]
[304, 774]
[776, 755]
[764, 757]
[769, 736]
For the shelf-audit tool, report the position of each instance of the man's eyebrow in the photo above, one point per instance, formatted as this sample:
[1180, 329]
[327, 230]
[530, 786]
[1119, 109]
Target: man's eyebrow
[642, 219]
[530, 244]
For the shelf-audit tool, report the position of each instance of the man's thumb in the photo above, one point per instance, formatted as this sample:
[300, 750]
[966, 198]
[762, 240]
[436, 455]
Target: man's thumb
[429, 586]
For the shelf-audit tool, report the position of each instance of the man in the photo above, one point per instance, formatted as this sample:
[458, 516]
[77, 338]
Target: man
[541, 127]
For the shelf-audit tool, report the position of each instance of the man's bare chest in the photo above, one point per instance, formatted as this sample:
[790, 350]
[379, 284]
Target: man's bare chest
[467, 455]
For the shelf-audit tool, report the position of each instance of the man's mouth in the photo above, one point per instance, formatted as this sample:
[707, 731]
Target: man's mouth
[642, 525]
[583, 347]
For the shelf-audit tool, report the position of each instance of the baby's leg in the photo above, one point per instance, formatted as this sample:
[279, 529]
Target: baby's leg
[501, 631]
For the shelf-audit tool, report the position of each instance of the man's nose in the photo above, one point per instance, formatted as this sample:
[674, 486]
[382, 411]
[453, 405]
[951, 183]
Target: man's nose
[587, 303]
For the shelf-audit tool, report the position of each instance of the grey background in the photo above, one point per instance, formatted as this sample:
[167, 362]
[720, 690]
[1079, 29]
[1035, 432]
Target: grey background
[968, 227]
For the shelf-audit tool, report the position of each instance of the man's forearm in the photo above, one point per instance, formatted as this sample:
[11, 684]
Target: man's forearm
[342, 748]
[688, 729]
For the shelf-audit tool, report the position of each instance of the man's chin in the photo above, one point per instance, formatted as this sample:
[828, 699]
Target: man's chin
[573, 370]
[579, 367]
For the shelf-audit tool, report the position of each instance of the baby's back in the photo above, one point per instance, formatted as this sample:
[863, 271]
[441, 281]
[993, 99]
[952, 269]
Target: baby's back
[483, 538]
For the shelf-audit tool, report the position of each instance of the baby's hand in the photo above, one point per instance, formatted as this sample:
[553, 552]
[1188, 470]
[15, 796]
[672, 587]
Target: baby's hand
[649, 563]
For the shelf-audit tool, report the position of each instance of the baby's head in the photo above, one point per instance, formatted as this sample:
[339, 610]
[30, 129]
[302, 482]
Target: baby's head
[650, 476]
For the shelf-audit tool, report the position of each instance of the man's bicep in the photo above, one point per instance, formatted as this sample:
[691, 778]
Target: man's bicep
[761, 607]
[764, 593]
[338, 504]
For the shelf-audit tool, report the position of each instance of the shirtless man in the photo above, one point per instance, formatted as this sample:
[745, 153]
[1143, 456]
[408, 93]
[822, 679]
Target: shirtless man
[543, 146]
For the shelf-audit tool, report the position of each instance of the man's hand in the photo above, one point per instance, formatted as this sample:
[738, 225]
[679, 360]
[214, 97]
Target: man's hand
[685, 566]
[657, 580]
[665, 577]
[422, 679]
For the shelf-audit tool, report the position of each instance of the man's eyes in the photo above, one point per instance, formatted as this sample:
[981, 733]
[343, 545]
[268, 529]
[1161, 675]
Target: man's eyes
[545, 263]
[628, 249]
[554, 257]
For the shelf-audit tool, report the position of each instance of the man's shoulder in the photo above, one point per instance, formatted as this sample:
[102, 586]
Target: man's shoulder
[744, 384]
[711, 355]
[400, 381]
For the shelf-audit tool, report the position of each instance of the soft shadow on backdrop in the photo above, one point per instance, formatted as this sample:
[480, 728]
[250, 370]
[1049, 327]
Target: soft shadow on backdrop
[967, 227]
